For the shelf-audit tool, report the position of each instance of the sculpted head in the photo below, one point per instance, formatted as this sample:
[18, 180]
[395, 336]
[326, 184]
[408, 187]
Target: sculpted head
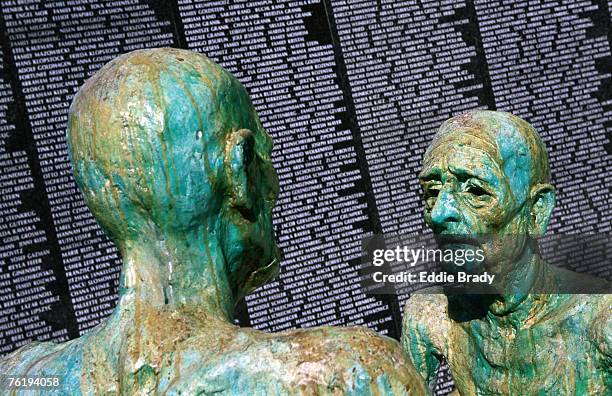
[486, 173]
[168, 150]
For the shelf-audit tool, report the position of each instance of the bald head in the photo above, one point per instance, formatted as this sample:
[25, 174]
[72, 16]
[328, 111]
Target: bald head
[167, 148]
[147, 134]
[512, 142]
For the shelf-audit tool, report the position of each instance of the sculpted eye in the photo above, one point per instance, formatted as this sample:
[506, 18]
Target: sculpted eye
[431, 193]
[477, 191]
[476, 194]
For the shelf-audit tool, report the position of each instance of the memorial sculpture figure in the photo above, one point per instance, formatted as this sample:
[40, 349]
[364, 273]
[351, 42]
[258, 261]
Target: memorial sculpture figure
[175, 165]
[486, 173]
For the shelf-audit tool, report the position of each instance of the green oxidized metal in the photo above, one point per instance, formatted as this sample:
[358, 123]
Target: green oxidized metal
[486, 173]
[175, 165]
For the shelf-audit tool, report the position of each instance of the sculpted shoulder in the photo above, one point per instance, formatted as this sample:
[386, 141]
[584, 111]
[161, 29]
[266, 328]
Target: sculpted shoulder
[426, 314]
[46, 359]
[425, 328]
[601, 326]
[342, 348]
[325, 360]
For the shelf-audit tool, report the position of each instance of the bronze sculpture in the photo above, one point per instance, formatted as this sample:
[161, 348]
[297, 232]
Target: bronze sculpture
[175, 165]
[486, 173]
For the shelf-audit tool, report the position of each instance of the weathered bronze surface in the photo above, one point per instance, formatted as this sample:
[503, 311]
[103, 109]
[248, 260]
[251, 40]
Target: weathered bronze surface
[487, 173]
[175, 165]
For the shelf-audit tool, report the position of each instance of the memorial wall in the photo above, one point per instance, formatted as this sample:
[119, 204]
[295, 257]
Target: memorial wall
[351, 92]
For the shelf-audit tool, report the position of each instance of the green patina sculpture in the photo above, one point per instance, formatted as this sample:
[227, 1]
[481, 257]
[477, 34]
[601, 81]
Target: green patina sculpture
[486, 173]
[175, 165]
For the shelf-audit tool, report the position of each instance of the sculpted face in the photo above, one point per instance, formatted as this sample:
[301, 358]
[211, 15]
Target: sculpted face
[250, 247]
[484, 187]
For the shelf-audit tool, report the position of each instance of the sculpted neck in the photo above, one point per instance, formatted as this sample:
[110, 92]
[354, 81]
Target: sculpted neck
[164, 272]
[516, 279]
[527, 291]
[517, 300]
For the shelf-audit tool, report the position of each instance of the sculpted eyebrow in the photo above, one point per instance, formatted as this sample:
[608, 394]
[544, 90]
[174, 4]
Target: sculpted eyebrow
[463, 173]
[430, 174]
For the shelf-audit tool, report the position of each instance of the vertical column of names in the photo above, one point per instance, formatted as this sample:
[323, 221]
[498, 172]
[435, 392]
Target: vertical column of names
[410, 66]
[31, 284]
[550, 64]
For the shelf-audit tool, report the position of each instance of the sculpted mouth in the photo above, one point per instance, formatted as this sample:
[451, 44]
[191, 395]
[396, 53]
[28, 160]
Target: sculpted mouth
[456, 239]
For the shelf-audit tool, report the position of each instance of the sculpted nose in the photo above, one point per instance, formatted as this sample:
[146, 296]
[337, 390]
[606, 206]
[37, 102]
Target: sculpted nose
[444, 212]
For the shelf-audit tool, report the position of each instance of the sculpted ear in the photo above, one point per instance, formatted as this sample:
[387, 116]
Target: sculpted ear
[239, 154]
[543, 199]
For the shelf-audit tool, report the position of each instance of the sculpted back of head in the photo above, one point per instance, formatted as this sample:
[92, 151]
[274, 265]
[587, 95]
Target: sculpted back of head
[166, 146]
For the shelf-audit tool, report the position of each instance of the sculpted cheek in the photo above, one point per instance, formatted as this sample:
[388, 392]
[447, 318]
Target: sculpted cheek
[473, 223]
[484, 219]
